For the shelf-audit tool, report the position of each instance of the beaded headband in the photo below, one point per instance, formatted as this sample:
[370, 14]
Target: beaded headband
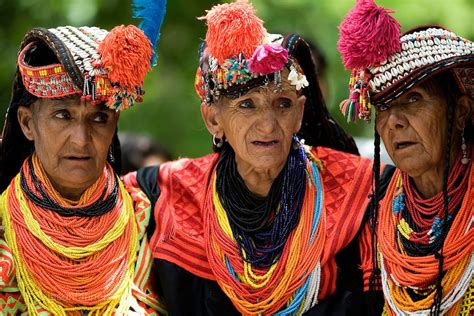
[394, 63]
[102, 66]
[239, 55]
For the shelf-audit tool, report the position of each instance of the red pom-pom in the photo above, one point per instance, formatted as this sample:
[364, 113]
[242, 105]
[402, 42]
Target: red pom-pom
[233, 28]
[126, 53]
[368, 35]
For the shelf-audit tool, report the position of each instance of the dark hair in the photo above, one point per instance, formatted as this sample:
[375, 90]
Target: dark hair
[319, 59]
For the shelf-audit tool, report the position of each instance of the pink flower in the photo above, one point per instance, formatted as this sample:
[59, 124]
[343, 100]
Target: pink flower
[268, 58]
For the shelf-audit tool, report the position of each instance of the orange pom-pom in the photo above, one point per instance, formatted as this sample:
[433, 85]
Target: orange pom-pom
[126, 53]
[233, 28]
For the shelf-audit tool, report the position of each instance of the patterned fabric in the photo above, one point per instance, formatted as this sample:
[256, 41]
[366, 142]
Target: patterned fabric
[179, 224]
[11, 302]
[53, 81]
[83, 60]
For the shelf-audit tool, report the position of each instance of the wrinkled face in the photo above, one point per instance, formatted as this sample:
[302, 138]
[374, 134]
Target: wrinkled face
[259, 125]
[413, 131]
[71, 138]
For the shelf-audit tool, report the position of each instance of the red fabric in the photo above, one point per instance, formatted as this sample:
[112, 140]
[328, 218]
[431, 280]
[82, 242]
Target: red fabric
[179, 236]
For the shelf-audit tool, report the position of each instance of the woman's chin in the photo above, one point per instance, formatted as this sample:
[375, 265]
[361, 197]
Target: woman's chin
[76, 181]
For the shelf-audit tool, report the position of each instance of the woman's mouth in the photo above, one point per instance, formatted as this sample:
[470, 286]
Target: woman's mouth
[403, 145]
[265, 144]
[78, 158]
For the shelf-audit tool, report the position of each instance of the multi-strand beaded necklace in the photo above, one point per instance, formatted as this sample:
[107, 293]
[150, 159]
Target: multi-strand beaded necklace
[282, 275]
[409, 239]
[66, 259]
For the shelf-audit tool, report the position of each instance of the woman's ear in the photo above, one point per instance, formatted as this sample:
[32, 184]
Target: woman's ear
[210, 115]
[463, 112]
[25, 119]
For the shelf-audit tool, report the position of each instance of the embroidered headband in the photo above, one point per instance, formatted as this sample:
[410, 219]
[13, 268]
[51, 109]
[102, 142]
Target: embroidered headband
[385, 64]
[239, 55]
[102, 66]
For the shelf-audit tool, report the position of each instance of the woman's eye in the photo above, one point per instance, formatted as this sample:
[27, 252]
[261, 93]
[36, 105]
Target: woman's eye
[246, 104]
[100, 117]
[62, 114]
[415, 97]
[285, 104]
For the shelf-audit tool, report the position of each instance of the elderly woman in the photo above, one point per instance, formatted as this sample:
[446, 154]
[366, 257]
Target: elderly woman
[71, 234]
[422, 89]
[263, 225]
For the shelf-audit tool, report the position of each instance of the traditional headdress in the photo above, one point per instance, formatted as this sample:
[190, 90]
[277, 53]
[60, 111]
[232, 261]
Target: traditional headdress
[385, 64]
[239, 55]
[105, 67]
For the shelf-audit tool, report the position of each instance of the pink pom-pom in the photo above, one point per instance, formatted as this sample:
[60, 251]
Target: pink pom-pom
[368, 35]
[126, 53]
[268, 58]
[233, 28]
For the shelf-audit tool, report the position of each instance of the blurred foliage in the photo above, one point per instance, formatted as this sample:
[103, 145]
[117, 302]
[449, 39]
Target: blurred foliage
[170, 112]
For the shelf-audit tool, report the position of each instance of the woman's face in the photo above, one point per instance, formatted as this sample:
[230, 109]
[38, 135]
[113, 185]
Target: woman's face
[413, 131]
[71, 138]
[259, 125]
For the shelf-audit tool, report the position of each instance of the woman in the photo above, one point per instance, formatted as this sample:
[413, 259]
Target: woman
[421, 86]
[263, 225]
[73, 242]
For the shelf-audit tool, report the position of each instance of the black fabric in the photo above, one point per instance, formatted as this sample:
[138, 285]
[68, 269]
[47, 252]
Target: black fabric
[147, 180]
[187, 294]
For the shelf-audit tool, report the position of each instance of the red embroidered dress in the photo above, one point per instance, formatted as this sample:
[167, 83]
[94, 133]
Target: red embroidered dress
[179, 237]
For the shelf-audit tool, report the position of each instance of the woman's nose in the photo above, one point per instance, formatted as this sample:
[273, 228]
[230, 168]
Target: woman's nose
[267, 120]
[396, 118]
[81, 134]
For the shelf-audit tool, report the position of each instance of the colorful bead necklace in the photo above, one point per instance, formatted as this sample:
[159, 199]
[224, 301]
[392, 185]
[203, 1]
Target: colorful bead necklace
[288, 286]
[261, 225]
[419, 220]
[47, 199]
[407, 280]
[71, 264]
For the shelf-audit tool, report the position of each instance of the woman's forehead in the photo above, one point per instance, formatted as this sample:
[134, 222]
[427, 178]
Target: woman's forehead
[70, 103]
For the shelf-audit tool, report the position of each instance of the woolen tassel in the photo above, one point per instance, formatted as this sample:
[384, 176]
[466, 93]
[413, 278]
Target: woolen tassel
[233, 28]
[368, 35]
[126, 53]
[349, 109]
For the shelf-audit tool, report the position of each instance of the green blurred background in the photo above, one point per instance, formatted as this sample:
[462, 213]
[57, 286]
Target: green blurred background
[170, 112]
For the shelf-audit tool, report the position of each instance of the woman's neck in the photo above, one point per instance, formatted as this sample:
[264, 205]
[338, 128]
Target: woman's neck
[430, 183]
[258, 181]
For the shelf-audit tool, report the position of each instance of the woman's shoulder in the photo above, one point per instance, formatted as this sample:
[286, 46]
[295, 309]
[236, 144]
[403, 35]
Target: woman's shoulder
[331, 155]
[188, 165]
